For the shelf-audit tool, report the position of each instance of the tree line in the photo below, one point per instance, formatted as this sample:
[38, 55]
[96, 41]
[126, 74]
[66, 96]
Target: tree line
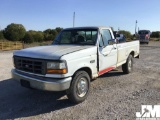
[17, 32]
[155, 34]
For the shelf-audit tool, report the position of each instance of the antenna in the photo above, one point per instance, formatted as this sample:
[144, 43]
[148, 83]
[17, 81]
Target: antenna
[136, 27]
[73, 19]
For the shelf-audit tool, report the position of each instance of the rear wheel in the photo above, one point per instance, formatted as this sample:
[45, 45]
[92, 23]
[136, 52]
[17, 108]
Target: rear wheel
[79, 88]
[128, 66]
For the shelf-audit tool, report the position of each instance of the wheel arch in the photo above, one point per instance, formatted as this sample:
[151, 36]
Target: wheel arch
[132, 53]
[86, 69]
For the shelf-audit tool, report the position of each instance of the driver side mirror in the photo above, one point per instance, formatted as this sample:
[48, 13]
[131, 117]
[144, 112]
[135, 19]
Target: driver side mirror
[112, 41]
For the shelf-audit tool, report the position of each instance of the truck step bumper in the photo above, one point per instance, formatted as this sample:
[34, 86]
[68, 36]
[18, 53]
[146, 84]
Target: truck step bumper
[42, 84]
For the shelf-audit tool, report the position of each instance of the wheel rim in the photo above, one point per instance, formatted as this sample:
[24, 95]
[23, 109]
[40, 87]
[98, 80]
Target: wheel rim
[82, 87]
[130, 65]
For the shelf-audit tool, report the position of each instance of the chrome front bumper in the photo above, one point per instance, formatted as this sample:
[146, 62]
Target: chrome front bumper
[47, 84]
[144, 40]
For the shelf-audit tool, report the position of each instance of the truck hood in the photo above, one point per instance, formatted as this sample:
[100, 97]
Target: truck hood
[53, 52]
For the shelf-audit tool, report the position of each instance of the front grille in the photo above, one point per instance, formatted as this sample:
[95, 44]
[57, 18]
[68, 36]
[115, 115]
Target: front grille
[30, 65]
[142, 38]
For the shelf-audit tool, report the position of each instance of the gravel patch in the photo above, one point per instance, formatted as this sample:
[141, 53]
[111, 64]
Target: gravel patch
[6, 64]
[113, 96]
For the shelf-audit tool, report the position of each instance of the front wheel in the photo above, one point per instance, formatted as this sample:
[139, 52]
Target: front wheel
[128, 66]
[79, 88]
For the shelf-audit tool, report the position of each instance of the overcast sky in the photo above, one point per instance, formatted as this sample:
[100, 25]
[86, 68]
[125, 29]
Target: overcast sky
[44, 14]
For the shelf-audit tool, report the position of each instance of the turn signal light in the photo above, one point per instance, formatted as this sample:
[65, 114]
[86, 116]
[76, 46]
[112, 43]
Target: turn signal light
[54, 71]
[147, 36]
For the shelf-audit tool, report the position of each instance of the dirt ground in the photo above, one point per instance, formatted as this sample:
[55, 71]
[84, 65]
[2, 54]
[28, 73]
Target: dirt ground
[113, 96]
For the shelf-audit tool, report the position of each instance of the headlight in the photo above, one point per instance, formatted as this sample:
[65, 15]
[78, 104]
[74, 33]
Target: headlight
[56, 68]
[13, 61]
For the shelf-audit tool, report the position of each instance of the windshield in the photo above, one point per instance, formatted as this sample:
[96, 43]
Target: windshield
[77, 36]
[143, 32]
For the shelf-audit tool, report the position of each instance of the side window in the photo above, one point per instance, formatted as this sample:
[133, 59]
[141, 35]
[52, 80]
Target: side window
[106, 36]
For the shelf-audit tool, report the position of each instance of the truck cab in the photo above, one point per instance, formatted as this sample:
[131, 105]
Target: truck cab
[144, 36]
[76, 56]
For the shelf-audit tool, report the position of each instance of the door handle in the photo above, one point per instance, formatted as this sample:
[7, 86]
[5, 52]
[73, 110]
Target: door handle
[105, 53]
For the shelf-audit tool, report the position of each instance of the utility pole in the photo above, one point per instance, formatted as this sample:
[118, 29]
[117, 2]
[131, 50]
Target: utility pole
[136, 27]
[73, 19]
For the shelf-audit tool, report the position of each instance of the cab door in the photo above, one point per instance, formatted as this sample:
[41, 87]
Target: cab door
[107, 52]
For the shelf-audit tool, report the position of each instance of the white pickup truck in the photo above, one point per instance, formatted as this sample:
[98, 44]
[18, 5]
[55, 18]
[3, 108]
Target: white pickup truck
[76, 56]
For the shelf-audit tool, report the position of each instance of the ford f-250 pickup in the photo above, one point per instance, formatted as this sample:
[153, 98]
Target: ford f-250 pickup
[76, 56]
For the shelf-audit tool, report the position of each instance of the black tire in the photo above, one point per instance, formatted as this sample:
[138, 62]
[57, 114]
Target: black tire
[128, 66]
[79, 88]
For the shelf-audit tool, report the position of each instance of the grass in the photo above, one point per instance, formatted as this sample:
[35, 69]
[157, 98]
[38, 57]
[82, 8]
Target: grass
[154, 39]
[8, 45]
[37, 44]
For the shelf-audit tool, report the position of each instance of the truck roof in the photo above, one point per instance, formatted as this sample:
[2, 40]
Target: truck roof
[145, 30]
[87, 27]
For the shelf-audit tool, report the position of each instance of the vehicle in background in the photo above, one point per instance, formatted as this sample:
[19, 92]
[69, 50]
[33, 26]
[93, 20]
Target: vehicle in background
[144, 36]
[120, 38]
